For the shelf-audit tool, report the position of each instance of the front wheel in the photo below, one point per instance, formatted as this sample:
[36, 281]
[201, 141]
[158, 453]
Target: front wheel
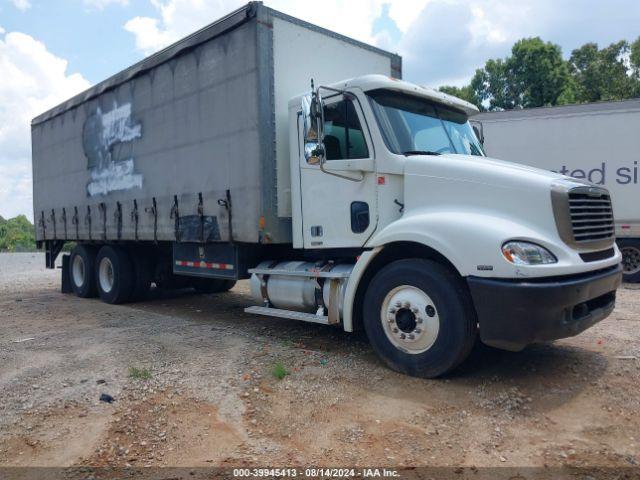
[419, 317]
[630, 250]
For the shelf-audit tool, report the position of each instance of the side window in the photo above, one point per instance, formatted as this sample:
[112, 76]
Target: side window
[343, 137]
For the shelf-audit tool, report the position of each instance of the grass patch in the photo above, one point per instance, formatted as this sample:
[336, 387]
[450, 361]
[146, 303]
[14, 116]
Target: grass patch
[279, 371]
[139, 373]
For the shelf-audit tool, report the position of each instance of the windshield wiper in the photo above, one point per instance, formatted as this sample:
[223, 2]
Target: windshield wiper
[419, 152]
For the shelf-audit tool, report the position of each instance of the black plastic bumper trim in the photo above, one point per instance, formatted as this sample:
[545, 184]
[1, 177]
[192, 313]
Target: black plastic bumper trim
[513, 314]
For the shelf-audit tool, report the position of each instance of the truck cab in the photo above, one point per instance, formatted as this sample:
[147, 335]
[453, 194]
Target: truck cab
[447, 243]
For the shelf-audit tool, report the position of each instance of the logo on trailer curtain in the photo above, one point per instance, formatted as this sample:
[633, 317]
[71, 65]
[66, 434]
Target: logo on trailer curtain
[108, 141]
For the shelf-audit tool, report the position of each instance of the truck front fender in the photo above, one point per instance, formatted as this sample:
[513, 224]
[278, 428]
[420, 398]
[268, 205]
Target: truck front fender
[469, 241]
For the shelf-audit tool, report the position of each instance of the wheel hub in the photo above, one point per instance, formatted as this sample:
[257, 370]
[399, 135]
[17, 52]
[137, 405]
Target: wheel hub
[105, 275]
[410, 319]
[77, 270]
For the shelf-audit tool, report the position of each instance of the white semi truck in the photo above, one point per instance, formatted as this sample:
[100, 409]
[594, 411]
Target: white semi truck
[359, 203]
[597, 143]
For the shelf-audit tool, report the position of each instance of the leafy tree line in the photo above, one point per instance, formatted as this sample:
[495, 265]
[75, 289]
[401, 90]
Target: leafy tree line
[17, 234]
[536, 75]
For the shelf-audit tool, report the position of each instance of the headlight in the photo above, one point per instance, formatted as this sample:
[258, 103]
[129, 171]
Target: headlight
[525, 253]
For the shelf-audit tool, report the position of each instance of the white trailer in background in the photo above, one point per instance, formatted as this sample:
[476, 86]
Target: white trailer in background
[596, 142]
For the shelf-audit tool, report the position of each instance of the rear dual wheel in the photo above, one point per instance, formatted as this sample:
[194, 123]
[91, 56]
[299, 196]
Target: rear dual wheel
[114, 274]
[82, 271]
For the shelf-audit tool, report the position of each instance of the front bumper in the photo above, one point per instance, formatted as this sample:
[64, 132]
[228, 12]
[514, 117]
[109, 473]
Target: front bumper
[515, 313]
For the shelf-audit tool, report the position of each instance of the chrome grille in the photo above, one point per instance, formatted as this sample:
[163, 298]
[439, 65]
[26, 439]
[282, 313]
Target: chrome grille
[591, 214]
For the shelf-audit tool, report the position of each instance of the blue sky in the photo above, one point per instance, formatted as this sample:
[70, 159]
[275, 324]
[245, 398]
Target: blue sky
[50, 50]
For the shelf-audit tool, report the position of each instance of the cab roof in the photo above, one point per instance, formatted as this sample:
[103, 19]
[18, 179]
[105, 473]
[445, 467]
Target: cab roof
[374, 82]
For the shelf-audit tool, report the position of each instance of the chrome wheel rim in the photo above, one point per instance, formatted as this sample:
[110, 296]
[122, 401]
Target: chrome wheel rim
[77, 271]
[105, 274]
[410, 319]
[631, 260]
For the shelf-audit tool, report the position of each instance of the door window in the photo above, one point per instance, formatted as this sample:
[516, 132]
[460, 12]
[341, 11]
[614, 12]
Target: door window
[343, 137]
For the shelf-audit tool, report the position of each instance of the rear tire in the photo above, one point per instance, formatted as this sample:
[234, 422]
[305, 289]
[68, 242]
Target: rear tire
[142, 273]
[212, 285]
[630, 259]
[419, 318]
[82, 271]
[114, 275]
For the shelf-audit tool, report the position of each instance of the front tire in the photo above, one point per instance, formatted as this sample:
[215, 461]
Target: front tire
[81, 271]
[630, 250]
[114, 275]
[419, 318]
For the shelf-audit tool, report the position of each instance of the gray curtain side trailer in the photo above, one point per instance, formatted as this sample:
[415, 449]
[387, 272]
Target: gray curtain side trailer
[187, 152]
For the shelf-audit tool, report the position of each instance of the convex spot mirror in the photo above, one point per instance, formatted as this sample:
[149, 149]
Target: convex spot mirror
[312, 112]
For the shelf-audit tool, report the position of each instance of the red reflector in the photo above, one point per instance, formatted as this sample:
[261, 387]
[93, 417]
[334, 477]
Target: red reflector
[381, 180]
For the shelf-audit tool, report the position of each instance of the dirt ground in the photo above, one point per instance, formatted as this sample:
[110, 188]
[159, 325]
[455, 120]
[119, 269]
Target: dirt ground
[212, 398]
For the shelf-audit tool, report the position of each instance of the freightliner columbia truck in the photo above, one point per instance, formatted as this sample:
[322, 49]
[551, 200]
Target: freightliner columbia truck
[362, 202]
[594, 142]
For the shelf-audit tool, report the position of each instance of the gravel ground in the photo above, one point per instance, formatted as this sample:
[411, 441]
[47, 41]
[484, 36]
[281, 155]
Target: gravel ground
[211, 398]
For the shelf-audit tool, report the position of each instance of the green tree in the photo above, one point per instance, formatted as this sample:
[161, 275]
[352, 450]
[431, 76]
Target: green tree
[603, 74]
[17, 234]
[534, 75]
[465, 93]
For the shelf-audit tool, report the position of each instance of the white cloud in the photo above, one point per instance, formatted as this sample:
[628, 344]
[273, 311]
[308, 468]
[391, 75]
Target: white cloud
[32, 81]
[101, 4]
[178, 18]
[22, 5]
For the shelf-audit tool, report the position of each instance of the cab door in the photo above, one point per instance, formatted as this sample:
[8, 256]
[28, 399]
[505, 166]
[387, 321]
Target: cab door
[339, 212]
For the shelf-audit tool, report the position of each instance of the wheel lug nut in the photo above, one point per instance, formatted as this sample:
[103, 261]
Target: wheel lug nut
[407, 305]
[412, 336]
[417, 331]
[414, 310]
[398, 304]
[403, 336]
[392, 310]
[395, 330]
[419, 320]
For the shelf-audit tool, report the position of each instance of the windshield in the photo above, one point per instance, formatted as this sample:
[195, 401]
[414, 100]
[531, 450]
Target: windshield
[411, 124]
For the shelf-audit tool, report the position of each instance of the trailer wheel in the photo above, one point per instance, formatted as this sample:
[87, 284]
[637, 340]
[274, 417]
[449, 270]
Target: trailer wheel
[419, 317]
[630, 250]
[81, 271]
[142, 273]
[212, 285]
[114, 275]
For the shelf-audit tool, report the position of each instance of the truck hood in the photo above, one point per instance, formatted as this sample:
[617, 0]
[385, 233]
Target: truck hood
[490, 171]
[480, 187]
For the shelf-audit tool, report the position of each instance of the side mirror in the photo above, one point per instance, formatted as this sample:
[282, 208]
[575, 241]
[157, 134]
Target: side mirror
[312, 112]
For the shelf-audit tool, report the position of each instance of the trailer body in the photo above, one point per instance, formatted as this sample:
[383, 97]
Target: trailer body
[190, 144]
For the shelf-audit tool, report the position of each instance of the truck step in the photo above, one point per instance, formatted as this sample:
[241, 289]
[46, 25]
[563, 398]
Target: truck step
[290, 314]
